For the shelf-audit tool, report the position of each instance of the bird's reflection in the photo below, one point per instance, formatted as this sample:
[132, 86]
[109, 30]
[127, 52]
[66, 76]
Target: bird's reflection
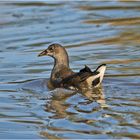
[58, 104]
[95, 94]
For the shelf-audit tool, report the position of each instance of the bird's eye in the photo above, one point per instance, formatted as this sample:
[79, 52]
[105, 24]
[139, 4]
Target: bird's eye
[51, 49]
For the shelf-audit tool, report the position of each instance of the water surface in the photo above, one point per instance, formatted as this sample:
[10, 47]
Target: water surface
[93, 32]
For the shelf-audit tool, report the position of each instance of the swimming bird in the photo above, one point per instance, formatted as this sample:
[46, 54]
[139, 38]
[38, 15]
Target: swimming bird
[64, 77]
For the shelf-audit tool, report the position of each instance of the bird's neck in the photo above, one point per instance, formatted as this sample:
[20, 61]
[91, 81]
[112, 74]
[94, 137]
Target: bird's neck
[59, 64]
[61, 61]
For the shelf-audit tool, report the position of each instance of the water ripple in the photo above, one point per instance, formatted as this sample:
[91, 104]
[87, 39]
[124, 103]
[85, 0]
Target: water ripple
[93, 32]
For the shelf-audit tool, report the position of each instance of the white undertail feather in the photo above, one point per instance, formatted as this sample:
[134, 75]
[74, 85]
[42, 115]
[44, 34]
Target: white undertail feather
[101, 69]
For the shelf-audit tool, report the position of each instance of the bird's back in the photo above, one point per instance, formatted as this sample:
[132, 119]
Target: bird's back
[85, 78]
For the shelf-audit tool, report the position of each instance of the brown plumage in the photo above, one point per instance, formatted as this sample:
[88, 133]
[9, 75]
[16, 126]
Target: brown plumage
[63, 76]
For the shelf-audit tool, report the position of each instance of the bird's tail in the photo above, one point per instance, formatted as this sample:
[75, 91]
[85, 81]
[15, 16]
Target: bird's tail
[95, 80]
[101, 69]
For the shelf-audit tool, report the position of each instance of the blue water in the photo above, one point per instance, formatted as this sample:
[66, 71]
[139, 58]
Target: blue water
[93, 32]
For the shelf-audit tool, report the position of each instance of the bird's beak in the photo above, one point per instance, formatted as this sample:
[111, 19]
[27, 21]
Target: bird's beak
[45, 52]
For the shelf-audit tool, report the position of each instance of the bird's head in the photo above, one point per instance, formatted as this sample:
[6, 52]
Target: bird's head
[53, 50]
[57, 52]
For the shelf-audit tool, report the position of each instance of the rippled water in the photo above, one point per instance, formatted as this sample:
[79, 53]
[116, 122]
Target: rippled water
[93, 32]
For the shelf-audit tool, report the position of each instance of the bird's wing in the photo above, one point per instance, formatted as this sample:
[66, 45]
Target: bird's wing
[77, 78]
[86, 73]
